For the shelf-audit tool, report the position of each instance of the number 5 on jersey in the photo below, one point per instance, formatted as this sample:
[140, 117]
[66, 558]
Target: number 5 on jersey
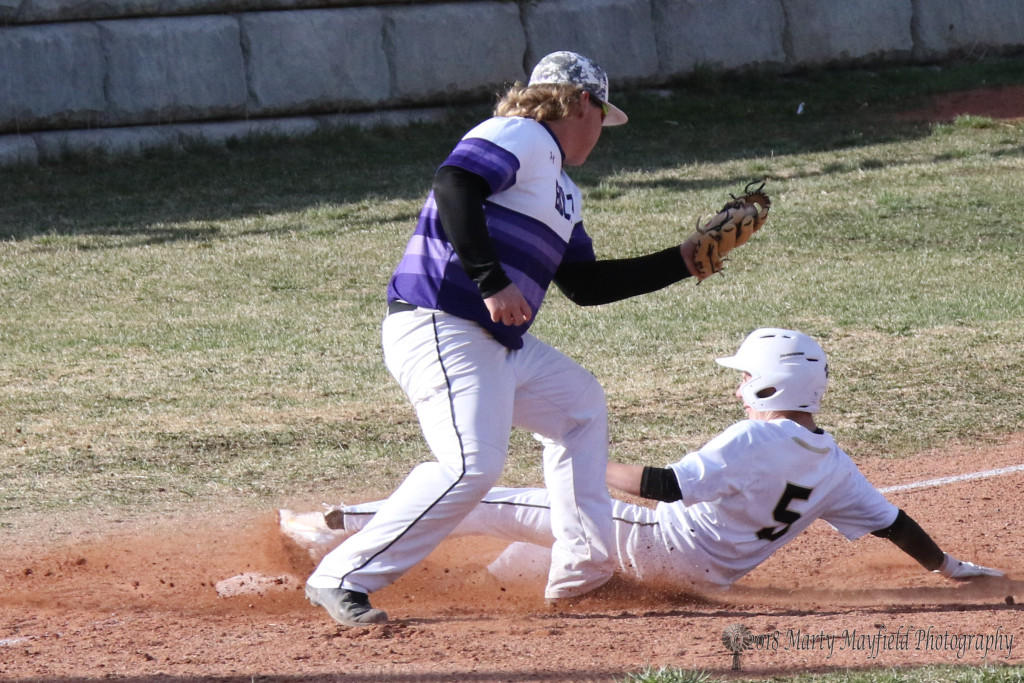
[782, 514]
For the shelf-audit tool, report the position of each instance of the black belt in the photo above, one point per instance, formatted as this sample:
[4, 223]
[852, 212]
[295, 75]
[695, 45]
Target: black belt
[399, 306]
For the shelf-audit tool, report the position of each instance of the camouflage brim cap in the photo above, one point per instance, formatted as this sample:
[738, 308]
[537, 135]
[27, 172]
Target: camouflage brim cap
[570, 68]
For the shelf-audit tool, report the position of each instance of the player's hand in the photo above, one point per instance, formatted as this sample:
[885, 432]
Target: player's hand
[509, 306]
[687, 249]
[960, 570]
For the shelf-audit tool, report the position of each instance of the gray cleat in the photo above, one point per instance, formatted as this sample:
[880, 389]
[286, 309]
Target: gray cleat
[348, 608]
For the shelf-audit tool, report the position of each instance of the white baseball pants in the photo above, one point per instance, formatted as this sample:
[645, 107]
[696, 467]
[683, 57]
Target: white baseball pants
[468, 391]
[641, 550]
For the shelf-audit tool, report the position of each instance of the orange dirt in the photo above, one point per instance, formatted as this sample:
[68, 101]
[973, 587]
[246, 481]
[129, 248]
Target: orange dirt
[1005, 103]
[143, 603]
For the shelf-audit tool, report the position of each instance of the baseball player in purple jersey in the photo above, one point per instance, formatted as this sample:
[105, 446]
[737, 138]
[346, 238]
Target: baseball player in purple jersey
[502, 222]
[724, 508]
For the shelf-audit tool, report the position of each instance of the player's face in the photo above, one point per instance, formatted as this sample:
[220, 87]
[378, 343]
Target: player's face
[591, 119]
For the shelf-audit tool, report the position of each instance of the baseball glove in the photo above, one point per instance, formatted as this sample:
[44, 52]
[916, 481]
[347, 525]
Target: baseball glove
[728, 229]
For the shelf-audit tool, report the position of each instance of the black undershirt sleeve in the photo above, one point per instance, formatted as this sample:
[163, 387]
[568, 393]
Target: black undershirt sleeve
[460, 196]
[589, 283]
[659, 483]
[909, 537]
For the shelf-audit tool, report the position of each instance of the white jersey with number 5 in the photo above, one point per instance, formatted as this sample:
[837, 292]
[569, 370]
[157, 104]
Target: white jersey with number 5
[755, 487]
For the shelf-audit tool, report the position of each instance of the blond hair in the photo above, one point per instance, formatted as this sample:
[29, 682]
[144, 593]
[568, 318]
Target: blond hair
[545, 102]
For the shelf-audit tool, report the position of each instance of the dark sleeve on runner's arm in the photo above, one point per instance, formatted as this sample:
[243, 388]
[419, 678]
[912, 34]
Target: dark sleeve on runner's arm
[589, 283]
[909, 537]
[660, 483]
[460, 196]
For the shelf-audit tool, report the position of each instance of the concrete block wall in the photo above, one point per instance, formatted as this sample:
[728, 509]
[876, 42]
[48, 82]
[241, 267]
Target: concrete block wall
[125, 75]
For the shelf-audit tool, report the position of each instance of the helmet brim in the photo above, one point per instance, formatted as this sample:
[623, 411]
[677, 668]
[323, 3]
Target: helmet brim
[734, 362]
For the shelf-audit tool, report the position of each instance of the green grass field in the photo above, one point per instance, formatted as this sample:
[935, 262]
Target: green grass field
[202, 329]
[183, 328]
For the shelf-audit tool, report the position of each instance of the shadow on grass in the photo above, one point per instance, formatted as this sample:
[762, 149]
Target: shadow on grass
[166, 197]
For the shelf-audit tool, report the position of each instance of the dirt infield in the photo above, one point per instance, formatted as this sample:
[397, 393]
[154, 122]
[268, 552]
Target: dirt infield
[219, 596]
[1005, 103]
[144, 603]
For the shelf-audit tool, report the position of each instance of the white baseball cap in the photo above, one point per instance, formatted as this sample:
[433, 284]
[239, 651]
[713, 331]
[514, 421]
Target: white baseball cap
[566, 67]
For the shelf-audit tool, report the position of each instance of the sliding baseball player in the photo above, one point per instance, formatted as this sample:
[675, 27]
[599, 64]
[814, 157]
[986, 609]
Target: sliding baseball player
[723, 509]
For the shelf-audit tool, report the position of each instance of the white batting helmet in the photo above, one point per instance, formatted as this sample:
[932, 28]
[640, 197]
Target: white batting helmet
[788, 370]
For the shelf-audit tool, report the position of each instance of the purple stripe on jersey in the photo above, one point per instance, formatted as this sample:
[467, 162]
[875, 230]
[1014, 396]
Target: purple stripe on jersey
[532, 290]
[529, 268]
[525, 233]
[411, 286]
[430, 265]
[420, 273]
[428, 247]
[581, 246]
[496, 165]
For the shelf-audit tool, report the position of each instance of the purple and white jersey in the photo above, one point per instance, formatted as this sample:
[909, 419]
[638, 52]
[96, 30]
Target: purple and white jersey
[533, 216]
[767, 481]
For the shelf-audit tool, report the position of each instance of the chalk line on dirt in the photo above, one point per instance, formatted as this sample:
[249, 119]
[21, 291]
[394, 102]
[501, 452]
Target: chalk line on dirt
[952, 480]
